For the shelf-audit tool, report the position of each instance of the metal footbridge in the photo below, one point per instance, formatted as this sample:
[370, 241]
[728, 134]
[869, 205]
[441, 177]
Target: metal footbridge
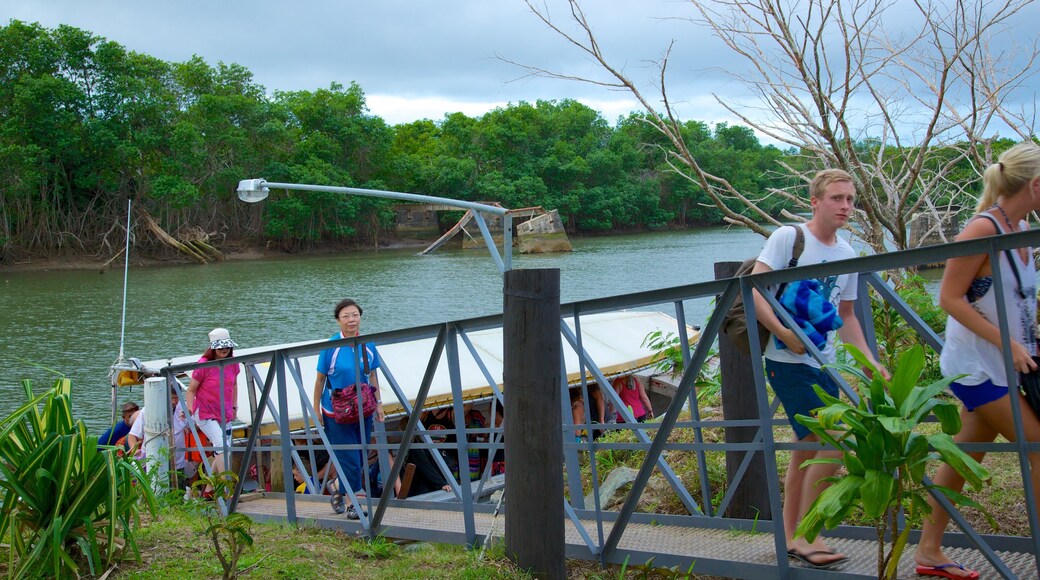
[702, 536]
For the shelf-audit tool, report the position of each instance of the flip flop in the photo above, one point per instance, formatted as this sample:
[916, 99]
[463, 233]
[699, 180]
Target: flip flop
[807, 558]
[941, 572]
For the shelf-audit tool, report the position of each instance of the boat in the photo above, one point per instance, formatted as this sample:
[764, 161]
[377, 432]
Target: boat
[614, 341]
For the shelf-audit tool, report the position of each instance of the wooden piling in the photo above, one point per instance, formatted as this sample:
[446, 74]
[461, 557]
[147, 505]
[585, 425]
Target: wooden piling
[534, 529]
[739, 401]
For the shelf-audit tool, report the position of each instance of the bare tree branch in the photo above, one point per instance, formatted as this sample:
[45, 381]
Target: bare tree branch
[904, 96]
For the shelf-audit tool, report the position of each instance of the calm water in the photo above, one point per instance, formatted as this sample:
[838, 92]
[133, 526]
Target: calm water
[70, 321]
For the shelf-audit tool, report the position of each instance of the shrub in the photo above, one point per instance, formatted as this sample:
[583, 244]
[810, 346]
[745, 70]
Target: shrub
[66, 503]
[884, 453]
[895, 336]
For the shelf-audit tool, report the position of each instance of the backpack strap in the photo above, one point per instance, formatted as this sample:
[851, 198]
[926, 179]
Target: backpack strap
[364, 359]
[796, 253]
[1007, 253]
[799, 246]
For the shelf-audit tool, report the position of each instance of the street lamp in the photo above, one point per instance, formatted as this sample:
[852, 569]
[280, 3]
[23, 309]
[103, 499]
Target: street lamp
[255, 190]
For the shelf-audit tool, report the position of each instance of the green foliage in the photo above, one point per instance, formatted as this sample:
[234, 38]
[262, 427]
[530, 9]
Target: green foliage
[85, 124]
[230, 533]
[668, 352]
[895, 336]
[884, 454]
[648, 571]
[668, 358]
[68, 507]
[377, 548]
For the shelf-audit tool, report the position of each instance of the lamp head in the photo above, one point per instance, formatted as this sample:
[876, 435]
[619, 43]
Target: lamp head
[252, 190]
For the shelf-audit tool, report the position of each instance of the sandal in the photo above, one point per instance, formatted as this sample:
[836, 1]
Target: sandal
[940, 571]
[808, 558]
[352, 513]
[337, 502]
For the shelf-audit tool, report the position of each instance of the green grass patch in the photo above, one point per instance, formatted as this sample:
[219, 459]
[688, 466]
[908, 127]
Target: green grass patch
[174, 545]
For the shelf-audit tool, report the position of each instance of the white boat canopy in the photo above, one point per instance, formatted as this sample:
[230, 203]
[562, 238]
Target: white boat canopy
[614, 342]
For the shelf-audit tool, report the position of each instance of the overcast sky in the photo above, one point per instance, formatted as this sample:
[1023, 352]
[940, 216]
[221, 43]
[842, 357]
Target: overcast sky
[414, 59]
[420, 58]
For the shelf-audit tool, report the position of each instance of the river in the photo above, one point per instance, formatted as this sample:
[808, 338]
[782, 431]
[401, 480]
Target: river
[69, 321]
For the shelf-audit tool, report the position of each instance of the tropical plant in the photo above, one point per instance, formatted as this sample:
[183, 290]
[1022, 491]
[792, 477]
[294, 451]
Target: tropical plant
[884, 454]
[894, 335]
[668, 358]
[66, 502]
[230, 532]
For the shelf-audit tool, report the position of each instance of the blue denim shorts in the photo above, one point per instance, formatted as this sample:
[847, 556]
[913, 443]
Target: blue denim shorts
[792, 383]
[975, 396]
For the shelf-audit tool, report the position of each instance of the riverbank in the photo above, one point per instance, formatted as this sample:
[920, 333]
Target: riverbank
[234, 252]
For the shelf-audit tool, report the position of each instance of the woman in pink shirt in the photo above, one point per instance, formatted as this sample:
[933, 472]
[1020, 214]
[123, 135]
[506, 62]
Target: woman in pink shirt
[633, 395]
[205, 397]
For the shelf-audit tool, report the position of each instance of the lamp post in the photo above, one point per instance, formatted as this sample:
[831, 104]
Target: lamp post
[255, 190]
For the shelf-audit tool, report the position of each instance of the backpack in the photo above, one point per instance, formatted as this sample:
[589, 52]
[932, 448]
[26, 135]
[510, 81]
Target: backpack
[735, 322]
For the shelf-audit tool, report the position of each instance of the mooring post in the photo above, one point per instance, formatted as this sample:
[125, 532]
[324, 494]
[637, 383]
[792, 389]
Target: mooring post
[739, 401]
[156, 428]
[533, 418]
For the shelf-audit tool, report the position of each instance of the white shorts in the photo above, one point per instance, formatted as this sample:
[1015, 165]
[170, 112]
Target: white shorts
[211, 427]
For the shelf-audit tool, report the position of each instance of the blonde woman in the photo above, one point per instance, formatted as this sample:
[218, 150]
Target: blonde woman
[973, 344]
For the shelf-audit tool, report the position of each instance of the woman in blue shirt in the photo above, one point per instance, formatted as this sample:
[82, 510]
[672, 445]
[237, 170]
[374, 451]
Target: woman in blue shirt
[336, 370]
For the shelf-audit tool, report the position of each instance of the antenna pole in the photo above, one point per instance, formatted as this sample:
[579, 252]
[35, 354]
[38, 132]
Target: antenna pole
[122, 329]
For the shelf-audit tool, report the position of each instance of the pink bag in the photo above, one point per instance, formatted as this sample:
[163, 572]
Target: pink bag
[345, 403]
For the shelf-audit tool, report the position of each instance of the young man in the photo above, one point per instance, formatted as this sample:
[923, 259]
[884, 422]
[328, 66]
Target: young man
[135, 439]
[116, 434]
[790, 369]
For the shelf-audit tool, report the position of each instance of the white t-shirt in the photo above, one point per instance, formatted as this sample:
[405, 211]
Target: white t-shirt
[777, 255]
[179, 423]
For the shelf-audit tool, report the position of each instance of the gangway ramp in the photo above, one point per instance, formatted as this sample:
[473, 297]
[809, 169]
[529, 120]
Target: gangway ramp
[711, 550]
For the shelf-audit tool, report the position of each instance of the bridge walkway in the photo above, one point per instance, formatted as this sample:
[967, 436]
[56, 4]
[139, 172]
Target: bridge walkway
[717, 551]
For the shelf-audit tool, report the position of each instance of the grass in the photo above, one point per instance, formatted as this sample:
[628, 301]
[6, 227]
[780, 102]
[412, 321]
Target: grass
[173, 545]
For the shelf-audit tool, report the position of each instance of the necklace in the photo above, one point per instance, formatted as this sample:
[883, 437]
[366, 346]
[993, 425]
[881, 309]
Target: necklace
[1006, 219]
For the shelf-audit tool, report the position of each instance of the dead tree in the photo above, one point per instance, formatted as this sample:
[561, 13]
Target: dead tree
[906, 113]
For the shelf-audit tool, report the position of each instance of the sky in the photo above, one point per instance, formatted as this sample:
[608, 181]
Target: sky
[413, 59]
[424, 58]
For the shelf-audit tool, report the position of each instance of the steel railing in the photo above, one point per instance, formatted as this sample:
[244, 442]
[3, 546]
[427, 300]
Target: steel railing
[283, 379]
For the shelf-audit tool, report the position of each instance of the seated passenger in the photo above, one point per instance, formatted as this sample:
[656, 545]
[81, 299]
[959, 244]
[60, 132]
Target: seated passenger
[302, 480]
[135, 439]
[321, 461]
[428, 477]
[498, 462]
[632, 393]
[116, 434]
[597, 407]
